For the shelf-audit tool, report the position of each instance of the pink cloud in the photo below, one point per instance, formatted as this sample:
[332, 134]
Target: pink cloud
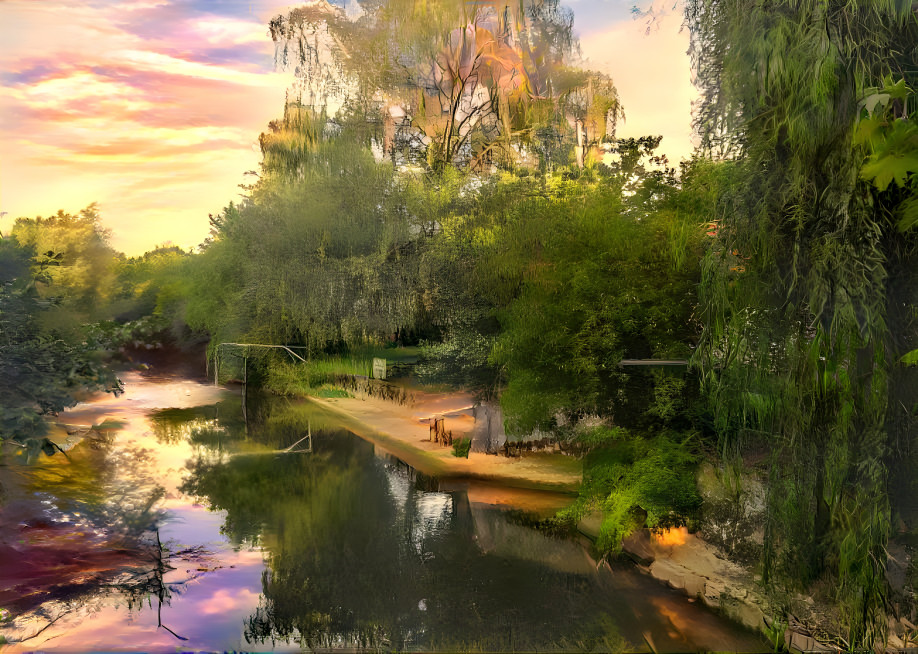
[226, 600]
[151, 108]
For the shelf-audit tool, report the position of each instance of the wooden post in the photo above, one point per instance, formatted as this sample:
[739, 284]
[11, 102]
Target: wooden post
[245, 386]
[439, 431]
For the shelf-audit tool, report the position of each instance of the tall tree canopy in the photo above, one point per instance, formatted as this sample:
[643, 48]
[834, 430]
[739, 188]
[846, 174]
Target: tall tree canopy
[809, 291]
[87, 269]
[451, 82]
[317, 254]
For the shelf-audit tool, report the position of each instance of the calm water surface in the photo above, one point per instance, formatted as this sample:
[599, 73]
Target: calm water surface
[340, 547]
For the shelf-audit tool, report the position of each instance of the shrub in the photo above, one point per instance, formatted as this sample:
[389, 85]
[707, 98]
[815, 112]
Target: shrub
[462, 447]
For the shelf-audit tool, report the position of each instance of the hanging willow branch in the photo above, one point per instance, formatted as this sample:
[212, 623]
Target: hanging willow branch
[801, 293]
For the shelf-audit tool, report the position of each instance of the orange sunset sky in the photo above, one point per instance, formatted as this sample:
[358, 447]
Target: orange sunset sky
[152, 108]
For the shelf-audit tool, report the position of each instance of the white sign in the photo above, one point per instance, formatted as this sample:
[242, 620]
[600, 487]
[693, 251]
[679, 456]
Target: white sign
[379, 368]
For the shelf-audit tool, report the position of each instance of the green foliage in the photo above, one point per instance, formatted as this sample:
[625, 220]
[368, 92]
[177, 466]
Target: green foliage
[41, 371]
[460, 360]
[145, 331]
[668, 396]
[775, 630]
[318, 256]
[313, 377]
[331, 392]
[890, 136]
[462, 447]
[80, 268]
[544, 283]
[596, 284]
[807, 290]
[150, 285]
[600, 435]
[641, 482]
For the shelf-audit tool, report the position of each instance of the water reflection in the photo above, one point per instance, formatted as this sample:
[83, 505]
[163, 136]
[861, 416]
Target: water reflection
[339, 547]
[362, 553]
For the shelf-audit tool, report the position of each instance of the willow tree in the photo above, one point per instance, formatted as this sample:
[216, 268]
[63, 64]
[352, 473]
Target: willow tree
[808, 290]
[320, 252]
[455, 83]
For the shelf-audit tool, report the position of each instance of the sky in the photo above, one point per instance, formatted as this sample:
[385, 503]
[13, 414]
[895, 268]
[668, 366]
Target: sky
[152, 108]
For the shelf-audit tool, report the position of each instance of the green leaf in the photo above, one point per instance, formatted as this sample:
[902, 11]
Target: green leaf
[908, 212]
[890, 168]
[899, 90]
[872, 100]
[910, 358]
[869, 131]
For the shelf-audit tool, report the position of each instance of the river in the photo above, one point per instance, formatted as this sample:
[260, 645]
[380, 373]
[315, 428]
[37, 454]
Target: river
[181, 524]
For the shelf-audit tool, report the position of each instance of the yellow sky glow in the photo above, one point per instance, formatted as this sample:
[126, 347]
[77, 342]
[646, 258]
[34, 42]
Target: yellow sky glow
[651, 72]
[158, 122]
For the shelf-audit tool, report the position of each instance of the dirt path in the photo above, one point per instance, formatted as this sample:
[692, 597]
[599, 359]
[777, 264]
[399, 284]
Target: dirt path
[404, 431]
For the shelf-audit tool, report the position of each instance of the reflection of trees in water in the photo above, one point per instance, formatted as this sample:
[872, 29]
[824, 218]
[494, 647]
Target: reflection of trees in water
[358, 557]
[140, 580]
[99, 486]
[173, 426]
[144, 585]
[86, 526]
[268, 421]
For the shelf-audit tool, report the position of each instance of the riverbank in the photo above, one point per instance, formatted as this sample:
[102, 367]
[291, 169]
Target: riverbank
[404, 431]
[680, 560]
[344, 515]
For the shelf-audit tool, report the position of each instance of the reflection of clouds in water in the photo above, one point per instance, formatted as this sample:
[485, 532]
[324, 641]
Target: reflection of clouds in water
[228, 599]
[433, 512]
[208, 611]
[399, 487]
[427, 513]
[143, 395]
[433, 509]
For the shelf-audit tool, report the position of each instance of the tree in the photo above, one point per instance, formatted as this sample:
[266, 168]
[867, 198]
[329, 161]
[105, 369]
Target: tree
[86, 274]
[319, 255]
[808, 289]
[452, 82]
[545, 283]
[41, 372]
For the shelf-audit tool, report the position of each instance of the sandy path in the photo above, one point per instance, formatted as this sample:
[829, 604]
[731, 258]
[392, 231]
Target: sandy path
[404, 431]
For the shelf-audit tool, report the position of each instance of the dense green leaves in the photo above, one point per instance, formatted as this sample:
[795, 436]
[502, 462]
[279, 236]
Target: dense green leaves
[598, 286]
[41, 371]
[805, 295]
[79, 266]
[316, 256]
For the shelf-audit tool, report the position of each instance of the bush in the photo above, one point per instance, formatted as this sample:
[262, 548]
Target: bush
[645, 481]
[462, 447]
[636, 482]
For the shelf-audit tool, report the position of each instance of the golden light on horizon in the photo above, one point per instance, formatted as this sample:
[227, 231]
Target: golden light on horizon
[152, 108]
